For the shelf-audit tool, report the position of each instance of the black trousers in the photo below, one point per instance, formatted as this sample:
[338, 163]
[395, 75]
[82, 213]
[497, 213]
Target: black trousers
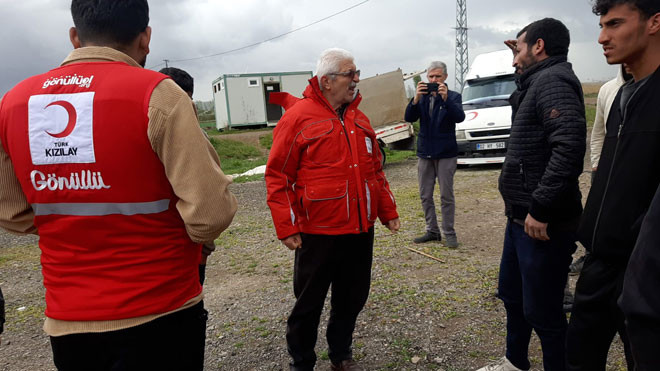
[596, 317]
[173, 342]
[343, 262]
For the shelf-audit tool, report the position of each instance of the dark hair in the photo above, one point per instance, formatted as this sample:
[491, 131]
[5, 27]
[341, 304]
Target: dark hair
[109, 22]
[180, 77]
[553, 33]
[645, 7]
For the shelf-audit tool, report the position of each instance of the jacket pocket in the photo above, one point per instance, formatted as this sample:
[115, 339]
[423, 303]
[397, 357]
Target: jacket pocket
[326, 205]
[324, 142]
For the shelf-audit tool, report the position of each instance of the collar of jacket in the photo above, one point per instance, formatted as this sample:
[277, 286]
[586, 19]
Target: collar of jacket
[313, 91]
[98, 54]
[523, 80]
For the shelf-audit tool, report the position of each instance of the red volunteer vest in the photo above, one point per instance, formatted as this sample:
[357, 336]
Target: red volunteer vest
[113, 244]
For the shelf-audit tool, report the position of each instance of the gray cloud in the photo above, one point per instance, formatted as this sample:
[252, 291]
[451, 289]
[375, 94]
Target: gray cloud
[382, 34]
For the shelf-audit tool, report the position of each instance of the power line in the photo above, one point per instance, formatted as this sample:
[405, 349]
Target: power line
[269, 39]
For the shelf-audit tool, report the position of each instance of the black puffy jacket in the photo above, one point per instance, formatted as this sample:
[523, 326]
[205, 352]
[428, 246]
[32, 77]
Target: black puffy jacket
[546, 147]
[2, 312]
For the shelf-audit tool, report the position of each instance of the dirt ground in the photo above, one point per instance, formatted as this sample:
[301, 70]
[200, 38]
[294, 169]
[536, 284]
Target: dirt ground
[421, 315]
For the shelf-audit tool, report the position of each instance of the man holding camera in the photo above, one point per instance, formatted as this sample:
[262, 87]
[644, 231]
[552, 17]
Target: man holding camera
[438, 109]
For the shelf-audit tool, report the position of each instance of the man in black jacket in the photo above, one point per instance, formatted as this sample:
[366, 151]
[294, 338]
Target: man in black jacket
[640, 299]
[2, 314]
[539, 185]
[625, 183]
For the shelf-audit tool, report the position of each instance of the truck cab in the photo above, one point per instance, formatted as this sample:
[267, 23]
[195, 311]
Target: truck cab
[483, 136]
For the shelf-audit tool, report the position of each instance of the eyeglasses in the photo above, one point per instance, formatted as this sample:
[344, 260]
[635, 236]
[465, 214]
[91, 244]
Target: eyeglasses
[350, 74]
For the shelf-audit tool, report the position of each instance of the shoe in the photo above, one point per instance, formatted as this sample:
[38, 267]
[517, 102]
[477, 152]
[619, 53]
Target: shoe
[427, 237]
[576, 267]
[451, 241]
[346, 365]
[501, 364]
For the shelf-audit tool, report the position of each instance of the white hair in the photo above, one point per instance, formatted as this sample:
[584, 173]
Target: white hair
[437, 65]
[330, 62]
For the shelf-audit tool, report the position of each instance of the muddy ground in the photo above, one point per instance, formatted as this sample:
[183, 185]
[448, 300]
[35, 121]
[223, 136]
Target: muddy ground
[421, 315]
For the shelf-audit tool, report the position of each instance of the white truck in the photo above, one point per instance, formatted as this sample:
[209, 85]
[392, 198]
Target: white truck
[483, 136]
[384, 102]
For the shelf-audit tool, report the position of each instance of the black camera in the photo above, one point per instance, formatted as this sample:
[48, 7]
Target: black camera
[431, 87]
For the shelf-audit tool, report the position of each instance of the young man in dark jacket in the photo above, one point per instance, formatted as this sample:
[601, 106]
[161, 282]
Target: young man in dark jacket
[627, 178]
[640, 299]
[539, 185]
[2, 314]
[438, 109]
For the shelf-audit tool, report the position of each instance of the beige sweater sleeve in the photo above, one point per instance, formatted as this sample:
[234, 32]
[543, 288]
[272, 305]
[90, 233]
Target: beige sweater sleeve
[192, 166]
[16, 214]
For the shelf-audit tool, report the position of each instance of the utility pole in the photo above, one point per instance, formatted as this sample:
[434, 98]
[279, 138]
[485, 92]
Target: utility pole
[462, 60]
[166, 61]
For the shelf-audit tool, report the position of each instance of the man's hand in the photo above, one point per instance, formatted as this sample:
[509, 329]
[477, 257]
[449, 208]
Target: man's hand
[536, 229]
[393, 225]
[421, 90]
[207, 249]
[512, 44]
[293, 242]
[443, 91]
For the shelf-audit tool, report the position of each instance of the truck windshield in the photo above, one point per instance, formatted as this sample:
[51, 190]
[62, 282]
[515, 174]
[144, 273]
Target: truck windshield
[490, 92]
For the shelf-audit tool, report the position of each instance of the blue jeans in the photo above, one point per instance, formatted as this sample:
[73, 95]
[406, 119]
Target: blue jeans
[533, 274]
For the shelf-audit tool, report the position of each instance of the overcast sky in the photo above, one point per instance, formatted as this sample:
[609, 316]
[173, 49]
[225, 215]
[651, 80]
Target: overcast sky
[382, 34]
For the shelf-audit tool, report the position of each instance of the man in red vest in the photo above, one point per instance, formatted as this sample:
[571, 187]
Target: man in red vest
[106, 162]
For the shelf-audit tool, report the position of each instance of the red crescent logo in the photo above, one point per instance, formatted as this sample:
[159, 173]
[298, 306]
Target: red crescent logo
[473, 114]
[73, 118]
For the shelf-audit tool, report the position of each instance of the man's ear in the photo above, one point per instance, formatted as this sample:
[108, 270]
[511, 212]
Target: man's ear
[145, 39]
[539, 47]
[653, 24]
[324, 83]
[73, 36]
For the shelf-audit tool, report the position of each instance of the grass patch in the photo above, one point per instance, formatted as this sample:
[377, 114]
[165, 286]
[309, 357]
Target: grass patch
[394, 156]
[207, 125]
[6, 258]
[266, 141]
[237, 157]
[590, 112]
[231, 149]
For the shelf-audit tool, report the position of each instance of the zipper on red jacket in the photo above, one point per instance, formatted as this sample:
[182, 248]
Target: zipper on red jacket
[348, 141]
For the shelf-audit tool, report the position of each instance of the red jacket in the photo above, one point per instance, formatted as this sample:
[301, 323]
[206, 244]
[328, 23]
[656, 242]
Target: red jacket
[324, 173]
[113, 243]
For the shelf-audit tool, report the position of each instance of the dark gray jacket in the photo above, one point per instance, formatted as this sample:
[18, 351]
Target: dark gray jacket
[627, 177]
[2, 312]
[437, 129]
[547, 146]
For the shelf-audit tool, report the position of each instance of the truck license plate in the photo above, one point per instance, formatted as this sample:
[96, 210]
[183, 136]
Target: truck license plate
[485, 146]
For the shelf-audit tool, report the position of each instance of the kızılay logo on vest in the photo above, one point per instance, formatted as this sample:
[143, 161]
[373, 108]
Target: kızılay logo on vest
[73, 117]
[61, 128]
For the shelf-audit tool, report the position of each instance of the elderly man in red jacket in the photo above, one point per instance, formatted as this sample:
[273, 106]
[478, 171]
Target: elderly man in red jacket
[326, 188]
